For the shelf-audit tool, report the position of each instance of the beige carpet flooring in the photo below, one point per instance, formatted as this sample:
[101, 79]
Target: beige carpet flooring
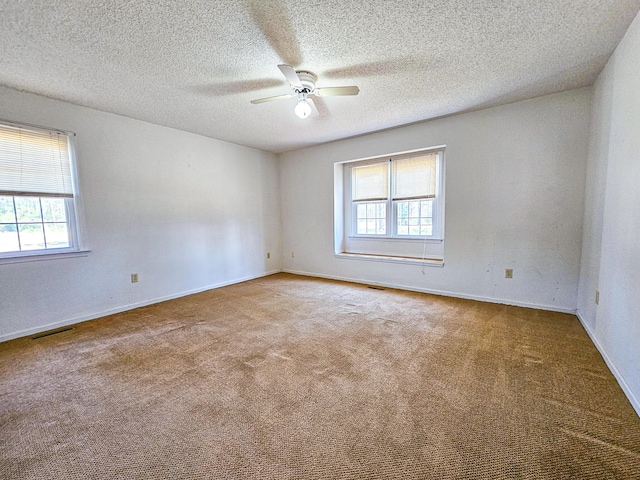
[288, 377]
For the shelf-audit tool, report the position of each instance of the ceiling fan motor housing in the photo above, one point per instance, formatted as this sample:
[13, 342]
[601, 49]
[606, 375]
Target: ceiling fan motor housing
[307, 80]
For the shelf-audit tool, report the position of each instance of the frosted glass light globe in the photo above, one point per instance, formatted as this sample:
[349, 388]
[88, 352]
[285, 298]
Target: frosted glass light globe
[303, 109]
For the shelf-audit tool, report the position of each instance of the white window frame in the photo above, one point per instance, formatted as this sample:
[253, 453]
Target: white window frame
[424, 251]
[392, 205]
[72, 207]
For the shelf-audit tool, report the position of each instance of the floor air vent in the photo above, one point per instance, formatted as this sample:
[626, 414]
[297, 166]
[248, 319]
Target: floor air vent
[51, 332]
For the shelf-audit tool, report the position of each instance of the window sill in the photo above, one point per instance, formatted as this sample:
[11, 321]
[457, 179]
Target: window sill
[394, 239]
[37, 257]
[425, 262]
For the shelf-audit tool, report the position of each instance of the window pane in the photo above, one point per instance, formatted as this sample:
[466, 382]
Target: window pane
[371, 218]
[53, 210]
[362, 210]
[7, 214]
[414, 209]
[28, 209]
[31, 236]
[29, 233]
[56, 235]
[371, 210]
[414, 217]
[427, 208]
[9, 238]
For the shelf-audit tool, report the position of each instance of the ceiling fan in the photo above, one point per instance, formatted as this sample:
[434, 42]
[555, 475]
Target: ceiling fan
[303, 84]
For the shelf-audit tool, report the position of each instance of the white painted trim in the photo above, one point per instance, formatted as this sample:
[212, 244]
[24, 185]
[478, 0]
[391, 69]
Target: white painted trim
[43, 255]
[427, 262]
[92, 316]
[635, 402]
[396, 154]
[404, 238]
[443, 293]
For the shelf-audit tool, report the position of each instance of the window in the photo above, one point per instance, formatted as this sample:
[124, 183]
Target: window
[391, 208]
[370, 189]
[397, 197]
[37, 194]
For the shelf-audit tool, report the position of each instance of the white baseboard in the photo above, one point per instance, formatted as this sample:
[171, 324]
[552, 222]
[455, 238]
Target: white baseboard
[551, 308]
[635, 403]
[123, 308]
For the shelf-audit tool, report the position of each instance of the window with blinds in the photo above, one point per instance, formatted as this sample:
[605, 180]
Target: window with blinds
[370, 191]
[398, 197]
[37, 204]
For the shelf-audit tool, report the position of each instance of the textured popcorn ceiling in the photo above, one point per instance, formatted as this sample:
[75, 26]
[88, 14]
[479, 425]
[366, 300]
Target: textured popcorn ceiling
[196, 64]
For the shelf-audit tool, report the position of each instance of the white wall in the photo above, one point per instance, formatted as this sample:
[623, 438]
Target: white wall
[514, 199]
[183, 211]
[611, 243]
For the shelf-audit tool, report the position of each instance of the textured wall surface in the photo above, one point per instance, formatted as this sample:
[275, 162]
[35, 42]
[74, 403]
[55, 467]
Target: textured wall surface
[183, 211]
[611, 252]
[514, 199]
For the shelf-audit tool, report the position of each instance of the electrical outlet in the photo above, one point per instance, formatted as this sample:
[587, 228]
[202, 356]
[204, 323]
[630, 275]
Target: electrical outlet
[134, 278]
[268, 254]
[597, 297]
[293, 255]
[508, 273]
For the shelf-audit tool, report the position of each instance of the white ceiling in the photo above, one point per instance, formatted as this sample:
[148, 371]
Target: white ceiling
[196, 64]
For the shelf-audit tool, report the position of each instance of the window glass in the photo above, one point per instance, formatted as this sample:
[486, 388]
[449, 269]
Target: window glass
[37, 197]
[371, 218]
[398, 197]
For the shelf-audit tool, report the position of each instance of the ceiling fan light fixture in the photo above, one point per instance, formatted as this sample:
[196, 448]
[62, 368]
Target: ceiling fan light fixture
[303, 109]
[303, 84]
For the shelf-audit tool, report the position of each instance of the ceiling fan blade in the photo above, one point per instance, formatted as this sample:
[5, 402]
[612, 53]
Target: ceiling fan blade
[271, 99]
[314, 108]
[290, 74]
[336, 91]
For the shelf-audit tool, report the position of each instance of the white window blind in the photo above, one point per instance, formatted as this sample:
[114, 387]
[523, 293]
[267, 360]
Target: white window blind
[414, 177]
[34, 162]
[370, 182]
